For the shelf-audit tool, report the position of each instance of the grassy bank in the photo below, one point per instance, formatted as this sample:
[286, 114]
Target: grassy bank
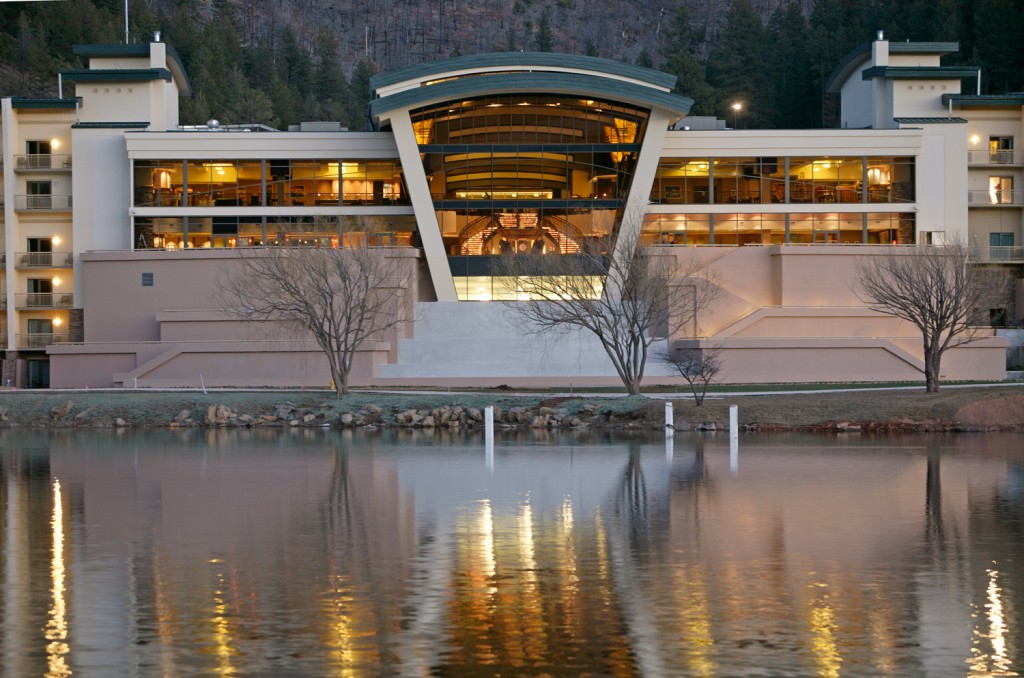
[996, 407]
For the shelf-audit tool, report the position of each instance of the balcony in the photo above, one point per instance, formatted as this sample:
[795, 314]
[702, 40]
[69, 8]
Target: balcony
[998, 255]
[995, 198]
[39, 340]
[42, 203]
[43, 259]
[1001, 158]
[42, 162]
[43, 300]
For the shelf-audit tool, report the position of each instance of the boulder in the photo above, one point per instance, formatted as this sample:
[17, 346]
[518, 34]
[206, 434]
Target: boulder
[61, 411]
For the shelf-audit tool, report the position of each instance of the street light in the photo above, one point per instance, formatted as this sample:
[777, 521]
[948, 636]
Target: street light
[736, 108]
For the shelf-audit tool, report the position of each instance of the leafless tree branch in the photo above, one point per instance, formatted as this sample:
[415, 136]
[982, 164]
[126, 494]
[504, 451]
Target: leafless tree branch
[341, 297]
[936, 290]
[626, 303]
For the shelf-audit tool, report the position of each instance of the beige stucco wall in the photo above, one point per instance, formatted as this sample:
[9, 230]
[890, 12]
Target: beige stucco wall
[785, 314]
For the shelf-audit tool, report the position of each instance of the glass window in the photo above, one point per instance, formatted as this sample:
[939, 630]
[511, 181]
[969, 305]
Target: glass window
[158, 182]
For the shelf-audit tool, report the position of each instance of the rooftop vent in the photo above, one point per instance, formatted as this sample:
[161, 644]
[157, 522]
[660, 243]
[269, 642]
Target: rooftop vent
[213, 123]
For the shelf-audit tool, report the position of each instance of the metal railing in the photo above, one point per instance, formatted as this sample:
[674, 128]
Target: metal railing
[42, 161]
[1004, 254]
[43, 259]
[43, 300]
[44, 202]
[996, 198]
[40, 339]
[987, 157]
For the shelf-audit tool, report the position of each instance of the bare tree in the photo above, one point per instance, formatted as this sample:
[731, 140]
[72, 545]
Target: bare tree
[625, 301]
[343, 297]
[936, 290]
[698, 366]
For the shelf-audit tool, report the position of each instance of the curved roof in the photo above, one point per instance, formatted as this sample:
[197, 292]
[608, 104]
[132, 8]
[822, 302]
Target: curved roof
[862, 52]
[572, 84]
[139, 50]
[504, 61]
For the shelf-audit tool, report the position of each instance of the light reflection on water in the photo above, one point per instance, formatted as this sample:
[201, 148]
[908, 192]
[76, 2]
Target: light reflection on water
[333, 553]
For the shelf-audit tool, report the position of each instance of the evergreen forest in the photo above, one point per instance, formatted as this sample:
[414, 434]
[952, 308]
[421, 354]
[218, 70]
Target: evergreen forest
[278, 62]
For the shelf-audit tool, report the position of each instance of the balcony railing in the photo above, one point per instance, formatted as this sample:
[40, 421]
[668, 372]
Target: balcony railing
[45, 202]
[986, 157]
[995, 198]
[43, 300]
[40, 339]
[1009, 255]
[43, 259]
[41, 161]
[48, 202]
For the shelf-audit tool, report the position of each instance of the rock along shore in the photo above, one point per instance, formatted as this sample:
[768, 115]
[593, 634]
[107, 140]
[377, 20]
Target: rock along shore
[978, 409]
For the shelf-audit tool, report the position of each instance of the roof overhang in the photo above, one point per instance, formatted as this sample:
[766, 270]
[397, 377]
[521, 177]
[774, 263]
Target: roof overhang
[1011, 100]
[502, 62]
[571, 84]
[34, 103]
[919, 72]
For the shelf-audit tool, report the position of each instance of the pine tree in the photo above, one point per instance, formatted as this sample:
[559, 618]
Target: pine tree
[360, 95]
[331, 95]
[794, 95]
[543, 40]
[680, 41]
[738, 68]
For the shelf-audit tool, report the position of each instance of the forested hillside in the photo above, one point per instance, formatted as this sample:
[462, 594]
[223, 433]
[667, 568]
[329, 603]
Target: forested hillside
[282, 61]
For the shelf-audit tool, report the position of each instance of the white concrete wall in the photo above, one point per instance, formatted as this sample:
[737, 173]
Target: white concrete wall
[102, 194]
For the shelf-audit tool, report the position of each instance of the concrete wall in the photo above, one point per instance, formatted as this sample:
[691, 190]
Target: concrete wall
[786, 313]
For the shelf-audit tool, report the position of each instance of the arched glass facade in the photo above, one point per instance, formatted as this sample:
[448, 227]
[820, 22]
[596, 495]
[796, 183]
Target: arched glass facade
[525, 174]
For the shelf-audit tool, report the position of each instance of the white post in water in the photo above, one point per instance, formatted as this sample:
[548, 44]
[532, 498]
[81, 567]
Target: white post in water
[670, 422]
[734, 439]
[489, 437]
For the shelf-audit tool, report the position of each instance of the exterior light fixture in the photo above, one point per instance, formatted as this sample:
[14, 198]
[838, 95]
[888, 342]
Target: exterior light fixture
[54, 144]
[975, 139]
[736, 108]
[56, 281]
[55, 240]
[57, 322]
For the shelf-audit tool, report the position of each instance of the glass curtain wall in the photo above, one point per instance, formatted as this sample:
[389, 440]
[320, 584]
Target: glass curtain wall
[200, 232]
[877, 228]
[525, 174]
[784, 180]
[280, 182]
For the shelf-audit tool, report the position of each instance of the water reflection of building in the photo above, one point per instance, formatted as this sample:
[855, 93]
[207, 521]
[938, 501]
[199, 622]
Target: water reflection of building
[220, 552]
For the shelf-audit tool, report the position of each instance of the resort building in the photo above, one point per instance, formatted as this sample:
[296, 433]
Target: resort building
[112, 261]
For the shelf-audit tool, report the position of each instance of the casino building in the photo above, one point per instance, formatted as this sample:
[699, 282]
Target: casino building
[119, 222]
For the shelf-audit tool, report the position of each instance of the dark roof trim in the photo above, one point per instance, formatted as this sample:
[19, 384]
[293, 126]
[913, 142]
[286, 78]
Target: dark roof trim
[919, 72]
[29, 102]
[572, 84]
[139, 50]
[861, 53]
[110, 125]
[117, 75]
[929, 121]
[503, 60]
[1012, 99]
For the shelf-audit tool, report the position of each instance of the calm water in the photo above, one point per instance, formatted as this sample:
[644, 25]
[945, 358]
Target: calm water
[324, 553]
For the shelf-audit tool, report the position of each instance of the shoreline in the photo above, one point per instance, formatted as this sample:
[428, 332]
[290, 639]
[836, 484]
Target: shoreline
[953, 409]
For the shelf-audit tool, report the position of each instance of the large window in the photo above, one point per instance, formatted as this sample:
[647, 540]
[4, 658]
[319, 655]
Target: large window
[201, 232]
[773, 228]
[774, 180]
[278, 182]
[525, 174]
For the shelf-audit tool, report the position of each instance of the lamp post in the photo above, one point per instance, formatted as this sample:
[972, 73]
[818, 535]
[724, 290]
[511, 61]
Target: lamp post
[736, 108]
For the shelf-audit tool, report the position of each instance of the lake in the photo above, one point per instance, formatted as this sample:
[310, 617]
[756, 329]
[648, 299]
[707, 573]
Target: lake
[400, 552]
